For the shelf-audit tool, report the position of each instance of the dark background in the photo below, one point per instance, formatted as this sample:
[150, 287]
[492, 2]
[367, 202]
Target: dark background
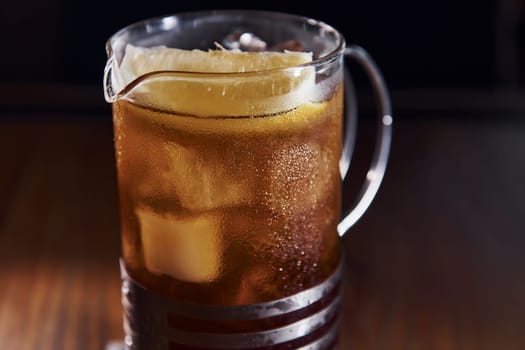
[435, 263]
[465, 44]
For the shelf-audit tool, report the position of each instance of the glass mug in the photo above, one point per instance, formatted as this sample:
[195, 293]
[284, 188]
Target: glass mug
[230, 196]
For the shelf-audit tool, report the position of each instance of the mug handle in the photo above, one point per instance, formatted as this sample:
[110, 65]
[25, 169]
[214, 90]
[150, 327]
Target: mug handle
[379, 161]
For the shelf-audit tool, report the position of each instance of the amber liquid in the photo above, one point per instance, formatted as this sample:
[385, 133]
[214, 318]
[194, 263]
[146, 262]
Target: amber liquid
[229, 210]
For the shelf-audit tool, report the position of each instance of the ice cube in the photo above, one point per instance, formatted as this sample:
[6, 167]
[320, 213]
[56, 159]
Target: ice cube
[181, 165]
[243, 41]
[186, 248]
[207, 179]
[196, 179]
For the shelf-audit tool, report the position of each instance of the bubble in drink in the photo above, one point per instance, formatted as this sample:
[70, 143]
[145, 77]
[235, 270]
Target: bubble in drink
[205, 178]
[300, 174]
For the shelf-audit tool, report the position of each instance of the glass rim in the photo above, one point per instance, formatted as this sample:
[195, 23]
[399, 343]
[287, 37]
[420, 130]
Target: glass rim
[170, 20]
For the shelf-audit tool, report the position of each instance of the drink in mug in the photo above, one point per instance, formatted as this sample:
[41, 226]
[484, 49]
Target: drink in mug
[230, 192]
[230, 209]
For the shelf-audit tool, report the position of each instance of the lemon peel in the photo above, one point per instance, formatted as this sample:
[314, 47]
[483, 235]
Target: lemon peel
[216, 82]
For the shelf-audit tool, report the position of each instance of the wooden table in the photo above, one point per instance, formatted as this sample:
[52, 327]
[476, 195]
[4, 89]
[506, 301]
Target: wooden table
[437, 262]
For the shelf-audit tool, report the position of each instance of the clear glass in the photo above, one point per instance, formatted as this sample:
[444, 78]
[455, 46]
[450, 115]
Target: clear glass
[230, 187]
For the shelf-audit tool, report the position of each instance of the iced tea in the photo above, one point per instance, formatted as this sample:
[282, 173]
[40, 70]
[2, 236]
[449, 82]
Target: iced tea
[229, 210]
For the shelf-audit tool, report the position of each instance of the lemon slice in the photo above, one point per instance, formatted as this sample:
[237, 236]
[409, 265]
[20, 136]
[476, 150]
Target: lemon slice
[216, 82]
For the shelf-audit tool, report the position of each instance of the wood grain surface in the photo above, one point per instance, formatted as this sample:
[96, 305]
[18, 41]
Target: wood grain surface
[436, 263]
